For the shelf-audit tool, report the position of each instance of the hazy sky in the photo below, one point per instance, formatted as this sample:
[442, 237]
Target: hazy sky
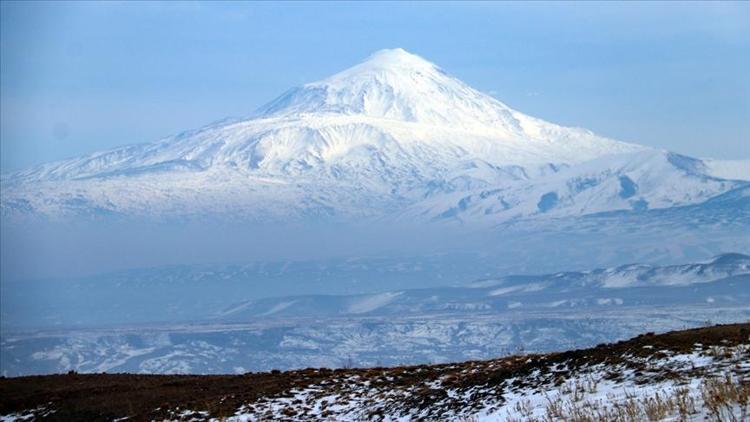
[80, 77]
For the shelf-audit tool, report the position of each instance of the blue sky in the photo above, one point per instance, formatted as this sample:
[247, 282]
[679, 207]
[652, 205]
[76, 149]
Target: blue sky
[80, 77]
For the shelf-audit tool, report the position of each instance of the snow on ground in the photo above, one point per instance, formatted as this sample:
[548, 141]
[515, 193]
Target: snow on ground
[662, 386]
[29, 415]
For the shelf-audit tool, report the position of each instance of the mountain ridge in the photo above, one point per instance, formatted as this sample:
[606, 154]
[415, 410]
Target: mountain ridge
[589, 289]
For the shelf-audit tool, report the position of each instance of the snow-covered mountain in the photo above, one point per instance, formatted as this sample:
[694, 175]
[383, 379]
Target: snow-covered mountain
[390, 134]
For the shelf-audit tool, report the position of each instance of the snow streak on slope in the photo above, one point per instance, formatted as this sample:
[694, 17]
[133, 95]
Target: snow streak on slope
[713, 281]
[383, 135]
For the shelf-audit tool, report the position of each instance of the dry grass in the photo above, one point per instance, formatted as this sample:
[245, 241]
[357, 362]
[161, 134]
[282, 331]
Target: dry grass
[724, 398]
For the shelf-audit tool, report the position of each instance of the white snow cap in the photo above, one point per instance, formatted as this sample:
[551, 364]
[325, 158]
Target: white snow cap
[386, 60]
[396, 85]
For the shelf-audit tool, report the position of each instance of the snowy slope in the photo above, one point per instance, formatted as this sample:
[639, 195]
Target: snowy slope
[372, 140]
[632, 181]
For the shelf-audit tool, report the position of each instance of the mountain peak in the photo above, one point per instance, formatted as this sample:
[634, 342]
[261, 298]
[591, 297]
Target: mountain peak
[389, 69]
[394, 84]
[393, 59]
[394, 54]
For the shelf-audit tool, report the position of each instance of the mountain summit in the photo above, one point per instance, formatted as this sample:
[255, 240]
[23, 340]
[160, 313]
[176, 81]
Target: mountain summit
[397, 85]
[393, 135]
